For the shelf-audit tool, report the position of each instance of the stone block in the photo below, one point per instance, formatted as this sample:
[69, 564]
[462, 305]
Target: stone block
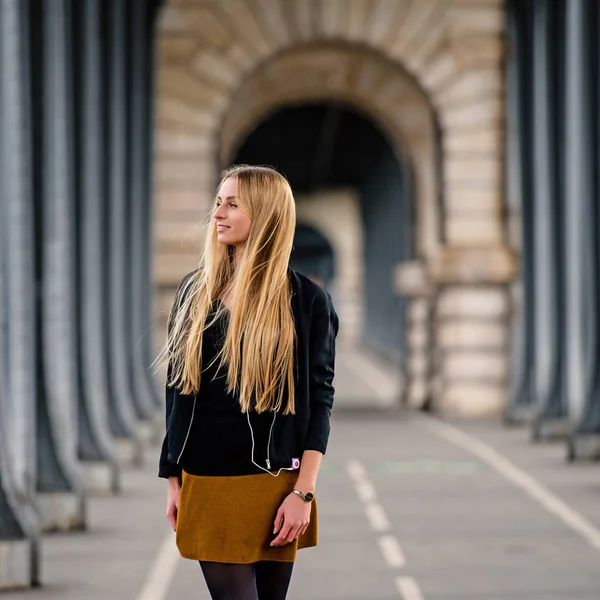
[175, 49]
[61, 511]
[213, 67]
[474, 335]
[463, 20]
[418, 391]
[418, 311]
[417, 364]
[250, 33]
[472, 85]
[482, 366]
[417, 338]
[473, 114]
[484, 303]
[15, 564]
[479, 143]
[100, 478]
[175, 110]
[271, 15]
[459, 199]
[438, 72]
[180, 84]
[410, 279]
[179, 140]
[471, 399]
[468, 169]
[474, 228]
[128, 452]
[477, 51]
[478, 264]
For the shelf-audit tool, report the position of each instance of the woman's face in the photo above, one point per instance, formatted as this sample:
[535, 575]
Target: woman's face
[233, 225]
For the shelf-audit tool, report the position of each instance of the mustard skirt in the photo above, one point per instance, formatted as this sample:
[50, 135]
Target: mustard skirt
[231, 519]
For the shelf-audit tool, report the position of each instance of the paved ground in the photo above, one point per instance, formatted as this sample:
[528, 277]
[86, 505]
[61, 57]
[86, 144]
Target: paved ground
[410, 507]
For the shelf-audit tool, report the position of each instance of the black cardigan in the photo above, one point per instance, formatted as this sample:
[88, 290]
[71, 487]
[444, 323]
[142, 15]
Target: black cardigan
[316, 324]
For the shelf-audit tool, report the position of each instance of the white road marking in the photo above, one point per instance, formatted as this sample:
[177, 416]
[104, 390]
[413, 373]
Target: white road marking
[390, 548]
[377, 517]
[409, 589]
[520, 478]
[366, 492]
[356, 471]
[162, 571]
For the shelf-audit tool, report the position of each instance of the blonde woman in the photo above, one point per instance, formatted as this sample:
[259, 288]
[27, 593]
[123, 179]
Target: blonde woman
[250, 353]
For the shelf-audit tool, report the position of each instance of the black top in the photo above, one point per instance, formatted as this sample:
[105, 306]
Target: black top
[316, 324]
[219, 440]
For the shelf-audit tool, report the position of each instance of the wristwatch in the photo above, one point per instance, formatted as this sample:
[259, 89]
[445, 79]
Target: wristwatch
[307, 497]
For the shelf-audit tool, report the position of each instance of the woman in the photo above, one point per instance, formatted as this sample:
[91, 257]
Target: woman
[250, 352]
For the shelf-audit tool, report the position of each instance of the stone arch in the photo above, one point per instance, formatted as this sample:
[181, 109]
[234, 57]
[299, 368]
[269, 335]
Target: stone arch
[454, 50]
[207, 48]
[361, 78]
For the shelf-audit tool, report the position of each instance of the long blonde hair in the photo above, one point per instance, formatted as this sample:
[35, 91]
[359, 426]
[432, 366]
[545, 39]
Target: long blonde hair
[260, 323]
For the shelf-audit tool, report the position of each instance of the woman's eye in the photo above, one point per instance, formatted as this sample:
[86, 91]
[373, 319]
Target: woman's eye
[233, 204]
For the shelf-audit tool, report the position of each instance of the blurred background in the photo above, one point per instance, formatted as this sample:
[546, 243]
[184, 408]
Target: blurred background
[445, 160]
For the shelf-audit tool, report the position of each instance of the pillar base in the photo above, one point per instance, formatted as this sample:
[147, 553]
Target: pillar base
[129, 451]
[550, 429]
[61, 511]
[583, 446]
[100, 478]
[15, 564]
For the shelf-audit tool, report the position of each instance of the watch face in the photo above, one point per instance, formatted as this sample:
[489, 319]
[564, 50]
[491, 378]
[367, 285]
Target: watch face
[309, 497]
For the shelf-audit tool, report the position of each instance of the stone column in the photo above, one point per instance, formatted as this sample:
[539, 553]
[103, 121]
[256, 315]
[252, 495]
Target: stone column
[411, 281]
[471, 316]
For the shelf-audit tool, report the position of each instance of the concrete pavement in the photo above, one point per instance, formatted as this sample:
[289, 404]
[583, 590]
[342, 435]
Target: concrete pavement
[408, 509]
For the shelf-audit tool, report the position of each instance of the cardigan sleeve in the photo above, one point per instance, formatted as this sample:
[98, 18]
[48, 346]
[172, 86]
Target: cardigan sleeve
[166, 468]
[323, 331]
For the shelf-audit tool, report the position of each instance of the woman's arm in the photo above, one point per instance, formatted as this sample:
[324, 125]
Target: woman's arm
[293, 516]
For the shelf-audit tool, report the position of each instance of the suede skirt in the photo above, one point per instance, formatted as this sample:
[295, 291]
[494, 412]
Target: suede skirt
[231, 519]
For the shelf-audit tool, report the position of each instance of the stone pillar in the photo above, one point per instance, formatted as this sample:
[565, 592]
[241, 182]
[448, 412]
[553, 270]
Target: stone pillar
[471, 315]
[19, 540]
[412, 282]
[345, 234]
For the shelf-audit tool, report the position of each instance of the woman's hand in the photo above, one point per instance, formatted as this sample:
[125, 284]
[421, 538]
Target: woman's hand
[292, 520]
[173, 501]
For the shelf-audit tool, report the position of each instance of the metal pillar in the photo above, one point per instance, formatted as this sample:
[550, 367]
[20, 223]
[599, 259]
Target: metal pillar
[137, 290]
[519, 404]
[95, 439]
[147, 306]
[550, 414]
[580, 248]
[18, 522]
[125, 408]
[59, 481]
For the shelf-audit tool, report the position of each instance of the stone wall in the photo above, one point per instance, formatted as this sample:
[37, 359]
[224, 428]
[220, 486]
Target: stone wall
[430, 72]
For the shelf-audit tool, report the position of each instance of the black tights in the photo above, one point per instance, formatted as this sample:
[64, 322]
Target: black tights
[265, 580]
